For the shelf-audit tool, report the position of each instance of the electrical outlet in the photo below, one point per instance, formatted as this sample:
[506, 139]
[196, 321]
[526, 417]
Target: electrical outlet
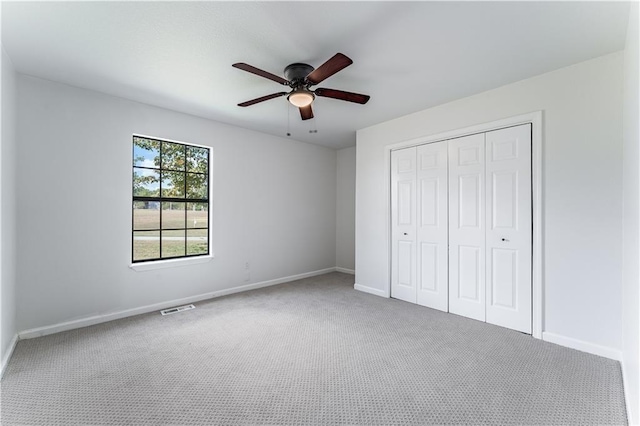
[247, 272]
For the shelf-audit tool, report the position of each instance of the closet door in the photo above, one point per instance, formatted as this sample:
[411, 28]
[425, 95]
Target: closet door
[403, 225]
[467, 226]
[432, 228]
[508, 221]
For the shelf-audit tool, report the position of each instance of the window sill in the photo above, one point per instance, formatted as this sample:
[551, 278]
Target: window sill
[170, 263]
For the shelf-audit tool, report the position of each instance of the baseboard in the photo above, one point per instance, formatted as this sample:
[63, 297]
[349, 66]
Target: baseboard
[345, 270]
[97, 319]
[370, 290]
[583, 346]
[625, 387]
[7, 356]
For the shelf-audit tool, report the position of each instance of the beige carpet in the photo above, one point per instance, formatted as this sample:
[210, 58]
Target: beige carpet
[313, 351]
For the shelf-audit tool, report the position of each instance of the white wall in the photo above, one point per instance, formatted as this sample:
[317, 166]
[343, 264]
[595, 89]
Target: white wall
[8, 210]
[631, 216]
[273, 205]
[346, 208]
[582, 195]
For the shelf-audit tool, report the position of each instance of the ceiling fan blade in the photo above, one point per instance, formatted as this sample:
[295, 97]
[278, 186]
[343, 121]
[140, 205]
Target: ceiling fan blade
[329, 68]
[261, 73]
[343, 96]
[262, 99]
[306, 112]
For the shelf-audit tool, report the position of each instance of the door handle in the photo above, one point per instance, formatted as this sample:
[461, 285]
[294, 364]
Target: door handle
[504, 239]
[405, 233]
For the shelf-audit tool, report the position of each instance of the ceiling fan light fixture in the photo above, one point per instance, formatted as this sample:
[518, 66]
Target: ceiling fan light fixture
[301, 98]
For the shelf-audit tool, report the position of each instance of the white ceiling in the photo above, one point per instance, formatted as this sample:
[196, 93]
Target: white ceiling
[408, 56]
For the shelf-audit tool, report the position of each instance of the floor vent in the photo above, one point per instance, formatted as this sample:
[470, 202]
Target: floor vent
[176, 310]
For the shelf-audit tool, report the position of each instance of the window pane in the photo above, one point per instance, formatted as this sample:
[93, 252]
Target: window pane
[197, 241]
[173, 184]
[146, 215]
[146, 245]
[197, 186]
[146, 152]
[197, 215]
[173, 156]
[146, 183]
[173, 243]
[197, 159]
[173, 215]
[167, 171]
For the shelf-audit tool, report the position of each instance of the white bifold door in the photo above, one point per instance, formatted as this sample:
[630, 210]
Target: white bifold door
[419, 229]
[509, 227]
[461, 226]
[467, 260]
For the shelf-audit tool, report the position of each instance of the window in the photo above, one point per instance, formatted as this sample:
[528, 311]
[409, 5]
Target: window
[170, 200]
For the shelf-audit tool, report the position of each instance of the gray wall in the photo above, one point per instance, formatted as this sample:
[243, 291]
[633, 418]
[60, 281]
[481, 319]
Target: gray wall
[631, 215]
[8, 211]
[346, 209]
[274, 204]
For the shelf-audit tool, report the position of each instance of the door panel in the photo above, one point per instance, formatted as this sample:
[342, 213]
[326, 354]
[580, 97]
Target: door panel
[405, 202]
[467, 227]
[432, 229]
[504, 206]
[508, 238]
[429, 267]
[469, 193]
[469, 273]
[429, 194]
[403, 226]
[405, 259]
[504, 266]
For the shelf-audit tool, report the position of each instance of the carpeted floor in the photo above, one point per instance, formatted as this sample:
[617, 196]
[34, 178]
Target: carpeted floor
[313, 351]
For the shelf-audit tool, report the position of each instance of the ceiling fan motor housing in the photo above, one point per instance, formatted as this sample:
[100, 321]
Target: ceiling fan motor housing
[296, 73]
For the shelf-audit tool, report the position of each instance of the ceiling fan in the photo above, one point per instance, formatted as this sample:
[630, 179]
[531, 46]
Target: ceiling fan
[300, 77]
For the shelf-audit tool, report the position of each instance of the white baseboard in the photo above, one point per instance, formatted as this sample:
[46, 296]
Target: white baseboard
[345, 270]
[583, 346]
[625, 388]
[370, 290]
[7, 355]
[97, 319]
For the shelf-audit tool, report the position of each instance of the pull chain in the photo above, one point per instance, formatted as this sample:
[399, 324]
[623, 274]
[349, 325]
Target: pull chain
[314, 127]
